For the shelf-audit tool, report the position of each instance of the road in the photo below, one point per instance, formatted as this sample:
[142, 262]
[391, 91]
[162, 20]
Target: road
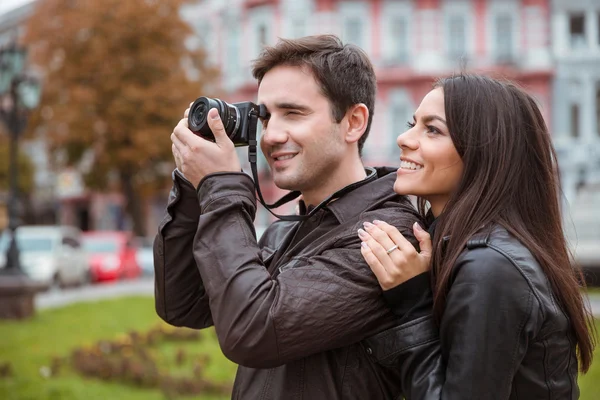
[59, 298]
[142, 286]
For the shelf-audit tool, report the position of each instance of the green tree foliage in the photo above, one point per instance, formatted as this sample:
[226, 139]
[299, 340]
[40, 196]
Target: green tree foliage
[117, 80]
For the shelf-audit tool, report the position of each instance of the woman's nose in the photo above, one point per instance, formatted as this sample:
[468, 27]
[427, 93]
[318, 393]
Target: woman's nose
[407, 140]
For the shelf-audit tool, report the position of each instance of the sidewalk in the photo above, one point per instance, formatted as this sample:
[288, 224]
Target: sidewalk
[595, 304]
[145, 286]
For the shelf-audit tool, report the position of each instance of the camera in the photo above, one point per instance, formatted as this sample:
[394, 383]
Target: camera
[239, 119]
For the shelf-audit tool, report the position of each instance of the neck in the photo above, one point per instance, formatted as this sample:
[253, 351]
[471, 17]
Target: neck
[344, 175]
[437, 206]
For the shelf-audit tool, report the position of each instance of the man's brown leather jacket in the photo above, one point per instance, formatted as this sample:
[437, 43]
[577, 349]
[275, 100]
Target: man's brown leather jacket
[291, 311]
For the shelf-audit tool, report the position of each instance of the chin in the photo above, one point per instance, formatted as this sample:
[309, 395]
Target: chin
[285, 182]
[401, 189]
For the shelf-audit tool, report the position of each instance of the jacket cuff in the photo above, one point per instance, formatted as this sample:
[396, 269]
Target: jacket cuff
[184, 187]
[412, 299]
[182, 198]
[223, 184]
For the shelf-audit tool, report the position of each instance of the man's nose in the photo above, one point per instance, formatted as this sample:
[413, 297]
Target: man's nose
[273, 134]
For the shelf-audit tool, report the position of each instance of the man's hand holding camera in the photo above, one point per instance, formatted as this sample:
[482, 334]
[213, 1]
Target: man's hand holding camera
[196, 157]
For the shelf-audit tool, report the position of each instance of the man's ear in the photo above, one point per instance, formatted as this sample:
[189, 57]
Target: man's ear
[358, 118]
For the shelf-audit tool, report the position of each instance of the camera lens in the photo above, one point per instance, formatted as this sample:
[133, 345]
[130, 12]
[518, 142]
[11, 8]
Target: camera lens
[199, 116]
[199, 113]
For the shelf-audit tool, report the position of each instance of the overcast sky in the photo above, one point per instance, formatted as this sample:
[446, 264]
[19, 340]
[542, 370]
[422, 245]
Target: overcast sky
[7, 5]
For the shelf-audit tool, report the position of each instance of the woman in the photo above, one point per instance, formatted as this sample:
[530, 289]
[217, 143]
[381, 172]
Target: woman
[507, 306]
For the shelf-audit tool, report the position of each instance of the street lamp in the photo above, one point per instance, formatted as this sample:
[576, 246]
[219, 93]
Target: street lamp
[19, 93]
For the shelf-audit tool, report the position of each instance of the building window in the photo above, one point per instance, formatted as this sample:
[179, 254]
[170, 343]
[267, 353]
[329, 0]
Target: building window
[353, 31]
[577, 31]
[400, 112]
[504, 38]
[598, 28]
[575, 120]
[456, 36]
[399, 38]
[233, 50]
[598, 108]
[262, 36]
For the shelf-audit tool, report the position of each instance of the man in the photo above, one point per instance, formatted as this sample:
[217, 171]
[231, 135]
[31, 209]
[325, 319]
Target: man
[291, 310]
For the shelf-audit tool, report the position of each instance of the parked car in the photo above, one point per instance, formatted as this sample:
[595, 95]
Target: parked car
[49, 254]
[112, 255]
[145, 255]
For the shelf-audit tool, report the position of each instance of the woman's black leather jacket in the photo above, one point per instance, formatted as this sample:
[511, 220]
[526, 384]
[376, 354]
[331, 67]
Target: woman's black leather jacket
[502, 335]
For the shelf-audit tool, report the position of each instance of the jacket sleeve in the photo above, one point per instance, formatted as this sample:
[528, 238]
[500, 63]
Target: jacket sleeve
[490, 317]
[180, 298]
[314, 304]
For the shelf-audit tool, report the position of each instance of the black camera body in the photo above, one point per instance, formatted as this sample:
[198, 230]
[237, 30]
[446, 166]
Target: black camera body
[239, 119]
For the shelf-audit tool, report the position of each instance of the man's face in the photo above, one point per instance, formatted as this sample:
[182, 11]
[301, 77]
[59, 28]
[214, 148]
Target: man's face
[301, 141]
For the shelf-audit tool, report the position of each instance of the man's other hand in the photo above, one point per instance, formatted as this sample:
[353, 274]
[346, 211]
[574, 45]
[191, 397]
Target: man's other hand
[196, 157]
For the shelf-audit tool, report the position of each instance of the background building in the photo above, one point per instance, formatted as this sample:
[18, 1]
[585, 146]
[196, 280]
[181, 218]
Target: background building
[576, 118]
[551, 47]
[410, 43]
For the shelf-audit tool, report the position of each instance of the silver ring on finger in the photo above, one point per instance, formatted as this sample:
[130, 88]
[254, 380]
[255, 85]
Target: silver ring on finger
[394, 247]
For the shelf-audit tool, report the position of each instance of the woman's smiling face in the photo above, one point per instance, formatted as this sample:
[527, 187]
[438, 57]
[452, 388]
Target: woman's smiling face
[430, 165]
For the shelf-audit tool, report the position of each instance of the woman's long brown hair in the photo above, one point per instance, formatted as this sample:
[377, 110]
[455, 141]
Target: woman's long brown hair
[510, 178]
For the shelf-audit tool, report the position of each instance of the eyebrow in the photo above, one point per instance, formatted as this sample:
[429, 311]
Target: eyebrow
[287, 106]
[429, 118]
[292, 106]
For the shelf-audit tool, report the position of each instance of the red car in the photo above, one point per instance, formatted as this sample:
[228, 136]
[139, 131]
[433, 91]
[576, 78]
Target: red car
[112, 255]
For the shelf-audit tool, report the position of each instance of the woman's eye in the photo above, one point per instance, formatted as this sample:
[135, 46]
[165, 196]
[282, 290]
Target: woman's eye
[410, 124]
[432, 129]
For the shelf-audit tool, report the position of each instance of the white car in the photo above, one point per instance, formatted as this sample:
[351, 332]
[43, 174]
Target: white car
[49, 254]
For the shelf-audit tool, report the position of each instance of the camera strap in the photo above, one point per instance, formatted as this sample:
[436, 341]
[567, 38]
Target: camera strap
[252, 158]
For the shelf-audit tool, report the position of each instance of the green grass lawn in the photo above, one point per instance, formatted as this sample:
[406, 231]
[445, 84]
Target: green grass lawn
[30, 345]
[594, 290]
[589, 384]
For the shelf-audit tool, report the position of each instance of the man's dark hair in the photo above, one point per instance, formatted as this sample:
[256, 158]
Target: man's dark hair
[344, 72]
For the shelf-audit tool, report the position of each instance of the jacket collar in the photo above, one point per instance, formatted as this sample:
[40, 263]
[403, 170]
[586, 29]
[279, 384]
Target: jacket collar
[376, 188]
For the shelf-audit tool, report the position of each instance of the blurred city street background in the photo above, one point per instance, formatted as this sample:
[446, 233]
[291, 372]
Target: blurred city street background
[90, 91]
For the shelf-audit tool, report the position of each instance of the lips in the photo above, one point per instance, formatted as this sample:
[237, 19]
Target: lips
[283, 158]
[280, 156]
[407, 164]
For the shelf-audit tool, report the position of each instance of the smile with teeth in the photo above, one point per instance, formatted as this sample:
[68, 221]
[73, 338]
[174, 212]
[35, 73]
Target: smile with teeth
[286, 157]
[410, 165]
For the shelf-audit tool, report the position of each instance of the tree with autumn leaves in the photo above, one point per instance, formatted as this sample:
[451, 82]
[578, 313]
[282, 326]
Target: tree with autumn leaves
[117, 77]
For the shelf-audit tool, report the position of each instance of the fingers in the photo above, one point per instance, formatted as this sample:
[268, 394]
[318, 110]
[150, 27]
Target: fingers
[382, 237]
[378, 269]
[424, 239]
[179, 137]
[394, 234]
[187, 110]
[176, 156]
[399, 265]
[216, 126]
